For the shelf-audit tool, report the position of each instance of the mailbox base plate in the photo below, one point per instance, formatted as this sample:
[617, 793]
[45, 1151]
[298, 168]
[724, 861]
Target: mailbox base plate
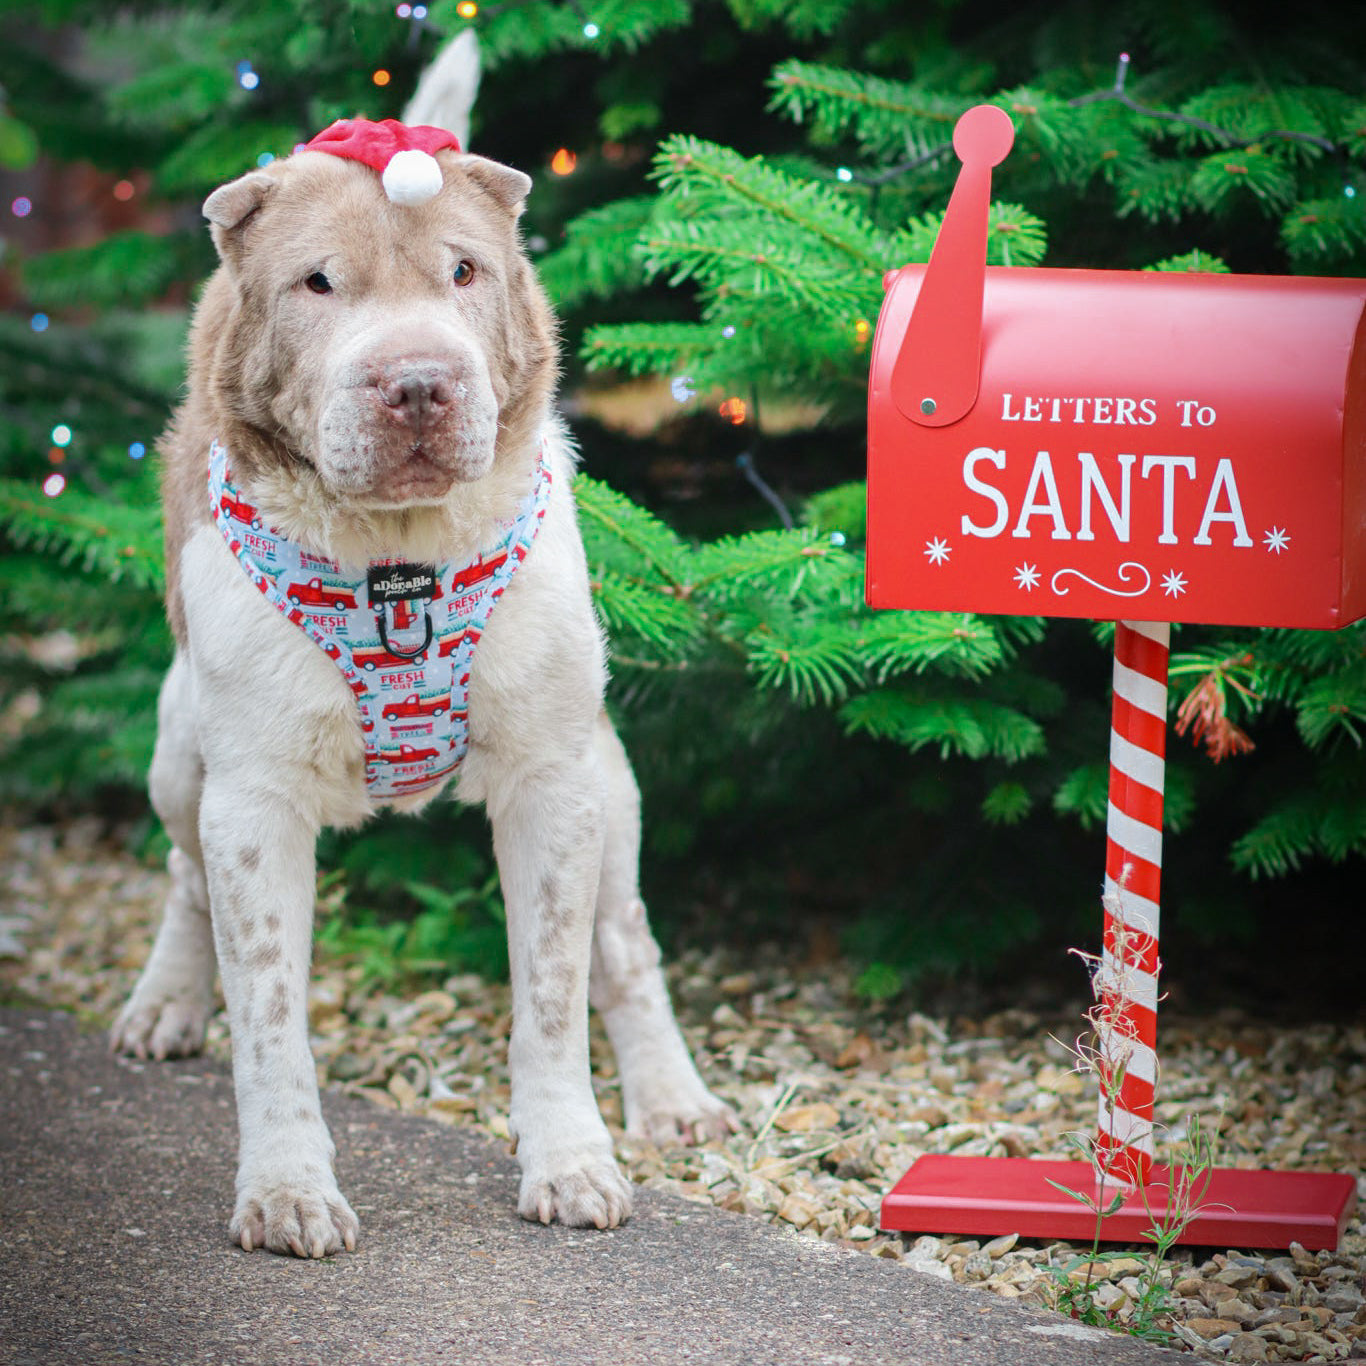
[995, 1195]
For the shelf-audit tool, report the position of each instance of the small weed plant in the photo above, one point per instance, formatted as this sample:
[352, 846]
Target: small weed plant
[451, 931]
[1106, 1050]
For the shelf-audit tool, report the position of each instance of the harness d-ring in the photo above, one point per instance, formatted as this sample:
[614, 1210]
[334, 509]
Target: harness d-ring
[382, 618]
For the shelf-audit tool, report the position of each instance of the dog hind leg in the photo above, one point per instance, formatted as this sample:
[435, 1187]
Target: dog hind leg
[664, 1098]
[169, 1008]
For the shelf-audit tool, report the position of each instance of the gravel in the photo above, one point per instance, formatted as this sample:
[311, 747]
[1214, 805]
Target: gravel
[836, 1097]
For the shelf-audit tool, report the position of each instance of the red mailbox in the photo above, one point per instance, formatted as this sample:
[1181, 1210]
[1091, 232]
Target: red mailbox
[1155, 446]
[1120, 445]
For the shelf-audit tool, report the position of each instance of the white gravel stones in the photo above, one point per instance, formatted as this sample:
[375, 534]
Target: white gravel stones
[836, 1097]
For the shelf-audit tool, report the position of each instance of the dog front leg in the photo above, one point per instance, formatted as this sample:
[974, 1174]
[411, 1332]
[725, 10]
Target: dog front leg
[259, 859]
[548, 834]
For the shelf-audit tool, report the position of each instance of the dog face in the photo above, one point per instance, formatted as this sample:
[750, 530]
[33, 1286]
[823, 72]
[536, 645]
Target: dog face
[388, 347]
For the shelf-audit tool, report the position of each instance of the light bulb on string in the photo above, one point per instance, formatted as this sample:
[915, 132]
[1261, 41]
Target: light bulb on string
[124, 190]
[591, 30]
[137, 450]
[21, 207]
[563, 162]
[467, 9]
[61, 435]
[380, 77]
[54, 484]
[39, 322]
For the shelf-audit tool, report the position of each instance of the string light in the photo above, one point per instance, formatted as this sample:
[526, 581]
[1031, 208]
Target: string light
[844, 174]
[728, 331]
[563, 162]
[265, 159]
[246, 77]
[124, 191]
[861, 330]
[380, 77]
[61, 435]
[681, 387]
[137, 450]
[733, 410]
[467, 9]
[591, 30]
[39, 322]
[55, 455]
[21, 207]
[54, 484]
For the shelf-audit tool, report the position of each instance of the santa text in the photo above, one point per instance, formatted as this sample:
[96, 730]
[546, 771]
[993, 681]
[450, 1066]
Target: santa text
[1071, 496]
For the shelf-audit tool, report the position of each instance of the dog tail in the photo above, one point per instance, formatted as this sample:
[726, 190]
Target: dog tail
[446, 90]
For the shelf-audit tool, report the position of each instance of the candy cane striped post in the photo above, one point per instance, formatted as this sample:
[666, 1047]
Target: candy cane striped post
[1127, 979]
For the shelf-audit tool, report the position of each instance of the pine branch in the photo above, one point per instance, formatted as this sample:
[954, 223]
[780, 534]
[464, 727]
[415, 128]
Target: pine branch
[598, 258]
[127, 268]
[717, 178]
[117, 541]
[975, 728]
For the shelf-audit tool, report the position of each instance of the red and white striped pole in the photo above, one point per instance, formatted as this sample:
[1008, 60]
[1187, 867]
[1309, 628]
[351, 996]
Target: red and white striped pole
[1127, 983]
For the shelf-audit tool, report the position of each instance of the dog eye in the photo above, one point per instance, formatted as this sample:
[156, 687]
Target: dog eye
[319, 283]
[464, 273]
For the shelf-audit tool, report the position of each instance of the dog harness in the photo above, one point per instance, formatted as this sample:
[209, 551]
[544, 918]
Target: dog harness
[402, 634]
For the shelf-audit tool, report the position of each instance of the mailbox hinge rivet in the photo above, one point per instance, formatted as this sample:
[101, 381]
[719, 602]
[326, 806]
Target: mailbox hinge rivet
[927, 406]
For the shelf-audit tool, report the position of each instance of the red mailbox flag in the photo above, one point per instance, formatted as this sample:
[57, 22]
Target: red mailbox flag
[1163, 447]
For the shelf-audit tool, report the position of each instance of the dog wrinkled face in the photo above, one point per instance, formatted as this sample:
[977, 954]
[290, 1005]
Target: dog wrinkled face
[382, 344]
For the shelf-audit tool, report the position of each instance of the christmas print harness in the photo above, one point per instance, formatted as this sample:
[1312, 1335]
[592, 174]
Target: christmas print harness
[402, 634]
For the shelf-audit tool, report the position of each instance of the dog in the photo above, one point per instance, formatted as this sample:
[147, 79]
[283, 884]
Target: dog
[378, 591]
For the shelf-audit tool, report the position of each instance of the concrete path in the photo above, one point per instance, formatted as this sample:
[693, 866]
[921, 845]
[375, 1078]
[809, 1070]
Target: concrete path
[115, 1182]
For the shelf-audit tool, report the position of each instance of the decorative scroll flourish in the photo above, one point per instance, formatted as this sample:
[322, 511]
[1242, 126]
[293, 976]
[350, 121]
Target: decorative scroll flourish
[1125, 574]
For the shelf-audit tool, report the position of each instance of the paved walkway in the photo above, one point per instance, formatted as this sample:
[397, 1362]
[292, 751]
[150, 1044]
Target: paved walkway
[115, 1181]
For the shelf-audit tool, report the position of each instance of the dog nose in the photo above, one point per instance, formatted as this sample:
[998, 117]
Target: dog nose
[416, 391]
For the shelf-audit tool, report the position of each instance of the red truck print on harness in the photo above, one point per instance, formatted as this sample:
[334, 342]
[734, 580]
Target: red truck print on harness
[414, 705]
[317, 593]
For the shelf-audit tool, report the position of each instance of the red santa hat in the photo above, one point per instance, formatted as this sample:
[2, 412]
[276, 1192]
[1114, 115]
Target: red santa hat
[402, 155]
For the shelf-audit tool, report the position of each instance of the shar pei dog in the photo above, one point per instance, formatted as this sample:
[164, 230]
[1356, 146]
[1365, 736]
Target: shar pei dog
[379, 592]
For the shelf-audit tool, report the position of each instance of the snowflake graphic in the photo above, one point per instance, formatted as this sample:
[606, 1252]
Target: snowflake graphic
[1027, 577]
[937, 550]
[1277, 539]
[1174, 583]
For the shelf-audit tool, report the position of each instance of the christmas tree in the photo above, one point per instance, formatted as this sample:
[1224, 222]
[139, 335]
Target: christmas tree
[720, 189]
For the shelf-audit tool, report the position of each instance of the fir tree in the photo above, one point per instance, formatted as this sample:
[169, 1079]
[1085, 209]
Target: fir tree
[745, 268]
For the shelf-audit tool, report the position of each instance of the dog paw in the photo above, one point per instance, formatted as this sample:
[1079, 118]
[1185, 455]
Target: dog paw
[592, 1195]
[305, 1218]
[160, 1029]
[696, 1120]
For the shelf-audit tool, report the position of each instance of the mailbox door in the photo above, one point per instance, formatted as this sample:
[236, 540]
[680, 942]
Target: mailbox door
[1147, 445]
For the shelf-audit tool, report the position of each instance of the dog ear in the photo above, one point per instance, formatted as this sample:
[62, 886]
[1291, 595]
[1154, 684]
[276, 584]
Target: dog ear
[230, 205]
[509, 187]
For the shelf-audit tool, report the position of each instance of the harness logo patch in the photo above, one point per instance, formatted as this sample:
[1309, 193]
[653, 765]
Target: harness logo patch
[401, 582]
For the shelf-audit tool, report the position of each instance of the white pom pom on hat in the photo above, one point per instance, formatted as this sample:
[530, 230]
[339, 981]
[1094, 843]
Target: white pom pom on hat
[411, 177]
[402, 154]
